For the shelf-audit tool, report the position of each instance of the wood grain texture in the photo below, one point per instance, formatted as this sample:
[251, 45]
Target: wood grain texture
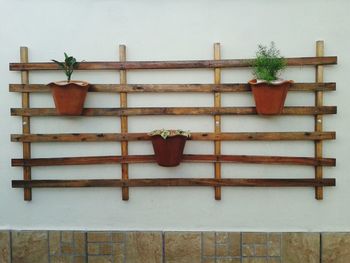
[318, 135]
[197, 136]
[187, 158]
[175, 182]
[185, 64]
[27, 173]
[217, 120]
[124, 122]
[32, 112]
[157, 88]
[319, 120]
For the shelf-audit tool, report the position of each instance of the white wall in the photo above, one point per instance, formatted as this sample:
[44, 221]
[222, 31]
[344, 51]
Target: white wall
[161, 30]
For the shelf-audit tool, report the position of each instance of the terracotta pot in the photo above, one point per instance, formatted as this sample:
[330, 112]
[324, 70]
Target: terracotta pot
[69, 97]
[269, 98]
[169, 151]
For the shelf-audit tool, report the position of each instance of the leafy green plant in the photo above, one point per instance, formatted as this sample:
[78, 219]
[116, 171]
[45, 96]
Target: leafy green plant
[268, 63]
[169, 133]
[68, 66]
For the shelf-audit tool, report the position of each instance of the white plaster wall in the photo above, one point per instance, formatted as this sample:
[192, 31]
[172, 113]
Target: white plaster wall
[168, 30]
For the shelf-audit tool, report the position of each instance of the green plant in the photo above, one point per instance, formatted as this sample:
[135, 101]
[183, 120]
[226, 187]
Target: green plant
[268, 63]
[68, 66]
[169, 133]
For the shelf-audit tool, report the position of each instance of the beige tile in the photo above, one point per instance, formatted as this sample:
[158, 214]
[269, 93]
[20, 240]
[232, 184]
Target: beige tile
[118, 258]
[301, 247]
[93, 248]
[274, 238]
[118, 237]
[228, 260]
[235, 244]
[29, 247]
[254, 238]
[274, 260]
[67, 248]
[222, 237]
[260, 250]
[336, 248]
[61, 259]
[248, 250]
[55, 242]
[79, 237]
[273, 251]
[257, 260]
[99, 237]
[274, 244]
[79, 259]
[105, 249]
[80, 243]
[118, 254]
[209, 260]
[143, 247]
[208, 240]
[118, 248]
[67, 236]
[100, 259]
[5, 251]
[182, 247]
[222, 250]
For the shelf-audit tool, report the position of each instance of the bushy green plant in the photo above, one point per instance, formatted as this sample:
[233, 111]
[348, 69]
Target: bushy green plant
[268, 63]
[68, 66]
[168, 133]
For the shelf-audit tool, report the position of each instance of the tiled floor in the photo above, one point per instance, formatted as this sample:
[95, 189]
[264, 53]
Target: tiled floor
[172, 247]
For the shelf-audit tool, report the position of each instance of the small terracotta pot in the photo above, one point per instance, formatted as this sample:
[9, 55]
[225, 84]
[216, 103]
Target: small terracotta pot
[169, 151]
[69, 97]
[269, 98]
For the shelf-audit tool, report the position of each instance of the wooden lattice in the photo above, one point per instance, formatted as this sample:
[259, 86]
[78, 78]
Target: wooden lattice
[318, 135]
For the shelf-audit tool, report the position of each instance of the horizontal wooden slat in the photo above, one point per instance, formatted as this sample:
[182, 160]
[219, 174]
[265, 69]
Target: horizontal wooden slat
[184, 64]
[202, 158]
[200, 136]
[234, 87]
[174, 182]
[174, 111]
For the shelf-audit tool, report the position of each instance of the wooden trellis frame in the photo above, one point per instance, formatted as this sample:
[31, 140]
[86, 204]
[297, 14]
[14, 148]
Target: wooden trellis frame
[318, 135]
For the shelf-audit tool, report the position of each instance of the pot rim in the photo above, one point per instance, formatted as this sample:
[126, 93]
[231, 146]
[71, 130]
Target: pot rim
[170, 136]
[62, 83]
[256, 82]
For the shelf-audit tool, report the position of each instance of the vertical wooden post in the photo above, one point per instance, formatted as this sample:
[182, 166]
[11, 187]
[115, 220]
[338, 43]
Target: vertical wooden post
[217, 120]
[26, 123]
[124, 123]
[319, 119]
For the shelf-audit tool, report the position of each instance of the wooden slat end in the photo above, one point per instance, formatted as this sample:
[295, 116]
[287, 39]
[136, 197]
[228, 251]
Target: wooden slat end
[15, 162]
[17, 183]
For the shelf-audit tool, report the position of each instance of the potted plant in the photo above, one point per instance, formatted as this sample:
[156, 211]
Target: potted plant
[269, 91]
[168, 146]
[69, 95]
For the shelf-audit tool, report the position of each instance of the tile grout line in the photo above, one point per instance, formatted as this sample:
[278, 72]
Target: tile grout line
[202, 258]
[241, 246]
[48, 246]
[281, 248]
[229, 245]
[215, 247]
[267, 243]
[85, 246]
[163, 246]
[113, 245]
[60, 252]
[10, 243]
[320, 247]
